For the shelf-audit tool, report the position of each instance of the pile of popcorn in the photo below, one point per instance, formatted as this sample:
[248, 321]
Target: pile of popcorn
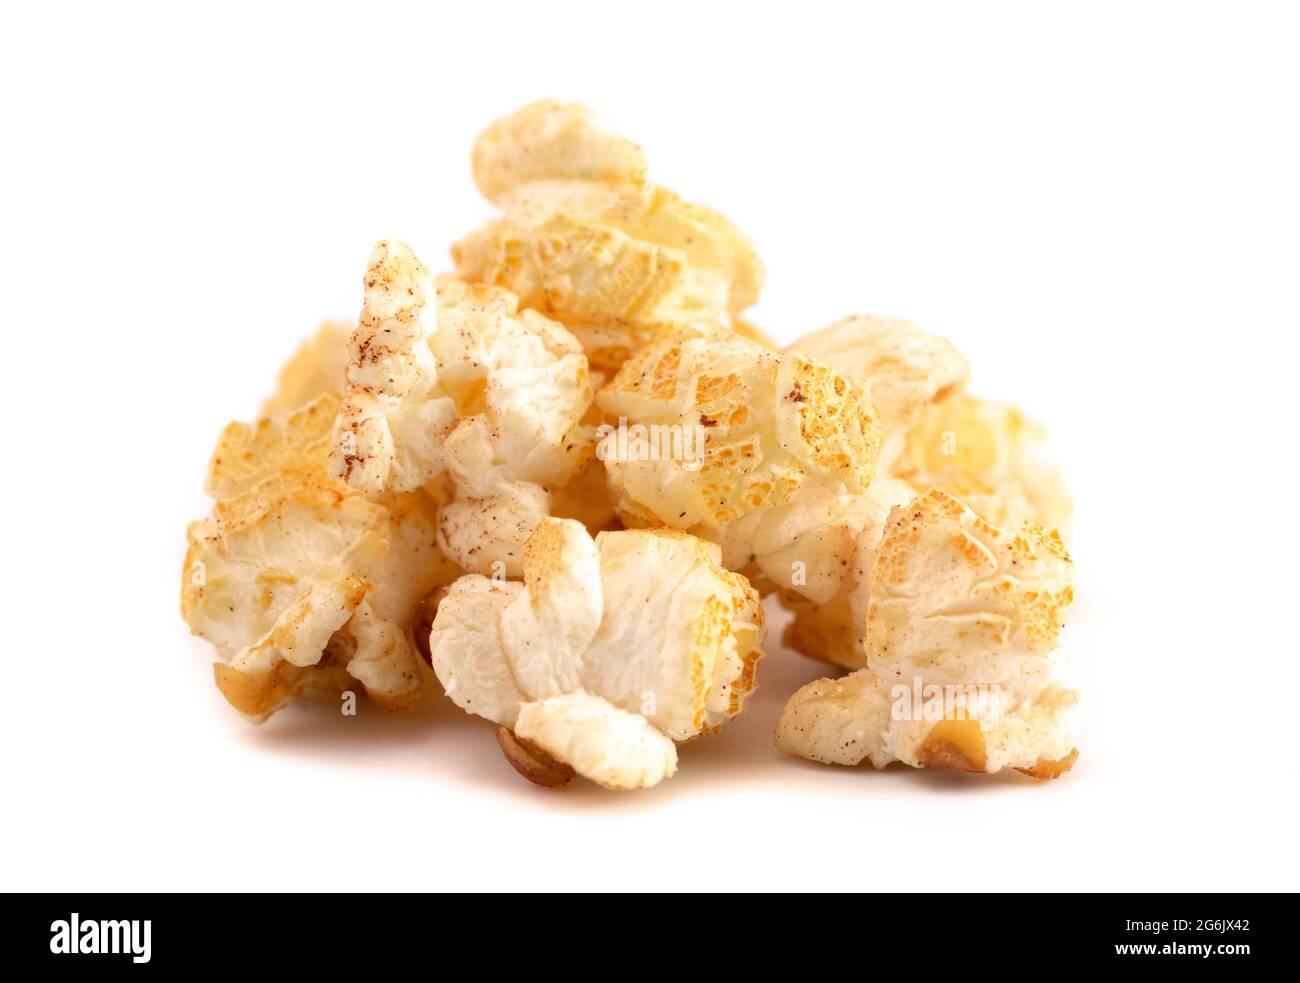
[564, 476]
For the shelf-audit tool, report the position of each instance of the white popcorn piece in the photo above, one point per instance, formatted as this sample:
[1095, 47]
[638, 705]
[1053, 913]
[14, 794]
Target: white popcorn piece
[521, 388]
[857, 718]
[393, 420]
[612, 747]
[466, 652]
[610, 649]
[486, 535]
[447, 377]
[955, 607]
[955, 599]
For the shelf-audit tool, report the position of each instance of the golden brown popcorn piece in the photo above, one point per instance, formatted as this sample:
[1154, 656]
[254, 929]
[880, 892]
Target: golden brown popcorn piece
[905, 368]
[587, 241]
[247, 454]
[727, 428]
[826, 420]
[575, 272]
[988, 455]
[258, 695]
[719, 267]
[548, 140]
[318, 367]
[299, 581]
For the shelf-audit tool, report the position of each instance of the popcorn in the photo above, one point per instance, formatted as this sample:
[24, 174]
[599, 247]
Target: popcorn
[905, 367]
[319, 366]
[588, 498]
[300, 582]
[610, 746]
[954, 606]
[394, 420]
[563, 475]
[611, 649]
[446, 377]
[584, 239]
[956, 600]
[487, 535]
[759, 425]
[989, 456]
[915, 381]
[521, 386]
[548, 140]
[837, 547]
[465, 648]
[293, 445]
[853, 719]
[784, 475]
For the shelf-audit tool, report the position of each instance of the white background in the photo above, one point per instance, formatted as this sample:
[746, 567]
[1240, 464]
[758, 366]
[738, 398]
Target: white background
[1098, 203]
